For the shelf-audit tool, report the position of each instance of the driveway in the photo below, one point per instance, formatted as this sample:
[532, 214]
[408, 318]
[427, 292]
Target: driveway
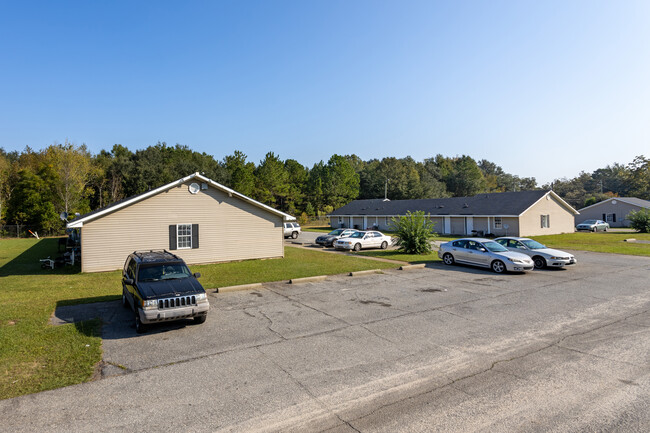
[435, 349]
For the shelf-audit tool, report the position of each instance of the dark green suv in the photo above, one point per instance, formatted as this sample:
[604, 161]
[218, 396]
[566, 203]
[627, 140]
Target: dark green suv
[159, 287]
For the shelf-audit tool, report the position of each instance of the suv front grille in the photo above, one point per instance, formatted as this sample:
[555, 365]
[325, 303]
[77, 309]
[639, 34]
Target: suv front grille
[180, 301]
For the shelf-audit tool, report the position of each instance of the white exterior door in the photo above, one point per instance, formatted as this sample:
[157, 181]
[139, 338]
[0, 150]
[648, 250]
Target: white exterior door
[469, 225]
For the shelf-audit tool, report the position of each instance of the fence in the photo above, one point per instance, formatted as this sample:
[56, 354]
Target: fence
[22, 231]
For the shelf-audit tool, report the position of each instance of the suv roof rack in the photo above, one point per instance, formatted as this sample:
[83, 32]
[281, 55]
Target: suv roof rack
[154, 255]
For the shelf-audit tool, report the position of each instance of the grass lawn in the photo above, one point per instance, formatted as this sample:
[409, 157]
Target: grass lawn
[323, 229]
[396, 255]
[35, 356]
[411, 258]
[602, 242]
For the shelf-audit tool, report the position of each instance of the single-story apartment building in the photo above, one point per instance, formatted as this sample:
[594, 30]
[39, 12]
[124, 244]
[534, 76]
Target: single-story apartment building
[614, 210]
[195, 217]
[520, 213]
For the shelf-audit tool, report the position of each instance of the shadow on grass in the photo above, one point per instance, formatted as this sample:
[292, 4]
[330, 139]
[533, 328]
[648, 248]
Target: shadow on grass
[27, 262]
[89, 328]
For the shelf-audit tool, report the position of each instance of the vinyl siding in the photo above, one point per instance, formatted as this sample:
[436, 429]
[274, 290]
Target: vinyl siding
[562, 220]
[229, 229]
[511, 222]
[481, 224]
[596, 212]
[439, 224]
[458, 225]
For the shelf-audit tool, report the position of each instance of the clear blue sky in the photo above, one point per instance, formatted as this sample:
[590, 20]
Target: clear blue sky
[542, 88]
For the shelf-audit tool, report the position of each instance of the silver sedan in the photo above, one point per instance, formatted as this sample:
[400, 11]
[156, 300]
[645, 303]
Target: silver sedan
[542, 255]
[485, 253]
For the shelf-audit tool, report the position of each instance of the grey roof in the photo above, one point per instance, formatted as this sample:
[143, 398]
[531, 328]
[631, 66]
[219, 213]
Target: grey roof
[637, 201]
[630, 200]
[498, 204]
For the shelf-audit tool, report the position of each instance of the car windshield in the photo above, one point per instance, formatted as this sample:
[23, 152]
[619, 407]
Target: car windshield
[335, 232]
[494, 247]
[357, 235]
[589, 222]
[533, 245]
[166, 271]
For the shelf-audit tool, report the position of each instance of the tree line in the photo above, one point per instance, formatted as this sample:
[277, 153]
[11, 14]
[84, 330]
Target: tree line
[36, 186]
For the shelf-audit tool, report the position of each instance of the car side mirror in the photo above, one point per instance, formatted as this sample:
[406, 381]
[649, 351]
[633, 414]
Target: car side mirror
[129, 281]
[197, 275]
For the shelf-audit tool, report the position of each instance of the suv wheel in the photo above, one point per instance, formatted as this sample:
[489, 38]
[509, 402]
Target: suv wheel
[200, 319]
[294, 235]
[139, 326]
[125, 303]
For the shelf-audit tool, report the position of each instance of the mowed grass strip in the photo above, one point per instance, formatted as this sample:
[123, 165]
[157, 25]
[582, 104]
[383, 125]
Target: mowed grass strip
[396, 255]
[297, 263]
[410, 258]
[602, 242]
[35, 356]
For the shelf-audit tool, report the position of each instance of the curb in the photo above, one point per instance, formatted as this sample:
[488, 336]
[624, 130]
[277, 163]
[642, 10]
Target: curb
[240, 287]
[407, 267]
[307, 279]
[369, 271]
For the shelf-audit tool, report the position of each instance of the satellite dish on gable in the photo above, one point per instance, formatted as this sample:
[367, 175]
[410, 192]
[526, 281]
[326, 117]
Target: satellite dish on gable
[64, 216]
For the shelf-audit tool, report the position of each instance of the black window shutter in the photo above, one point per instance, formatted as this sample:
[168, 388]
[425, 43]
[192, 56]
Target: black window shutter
[614, 217]
[604, 217]
[172, 237]
[195, 236]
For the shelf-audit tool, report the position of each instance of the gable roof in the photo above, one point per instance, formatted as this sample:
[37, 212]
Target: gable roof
[629, 200]
[79, 221]
[489, 204]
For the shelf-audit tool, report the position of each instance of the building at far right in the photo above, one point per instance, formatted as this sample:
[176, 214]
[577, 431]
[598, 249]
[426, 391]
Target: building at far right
[614, 210]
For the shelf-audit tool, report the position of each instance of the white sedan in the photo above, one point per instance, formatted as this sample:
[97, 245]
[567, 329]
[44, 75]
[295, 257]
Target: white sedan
[542, 255]
[369, 239]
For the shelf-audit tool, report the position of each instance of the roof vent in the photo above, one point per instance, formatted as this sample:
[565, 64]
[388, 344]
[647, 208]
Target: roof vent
[386, 199]
[465, 205]
[441, 206]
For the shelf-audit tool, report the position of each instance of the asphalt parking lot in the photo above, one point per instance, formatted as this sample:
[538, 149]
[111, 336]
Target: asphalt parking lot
[437, 349]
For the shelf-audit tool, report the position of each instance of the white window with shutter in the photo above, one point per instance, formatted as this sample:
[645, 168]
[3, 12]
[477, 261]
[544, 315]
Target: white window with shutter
[184, 236]
[545, 221]
[497, 223]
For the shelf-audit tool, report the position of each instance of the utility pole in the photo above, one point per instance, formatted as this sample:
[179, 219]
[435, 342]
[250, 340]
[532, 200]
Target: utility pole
[386, 190]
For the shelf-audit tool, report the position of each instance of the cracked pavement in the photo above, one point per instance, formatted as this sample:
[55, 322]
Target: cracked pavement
[435, 349]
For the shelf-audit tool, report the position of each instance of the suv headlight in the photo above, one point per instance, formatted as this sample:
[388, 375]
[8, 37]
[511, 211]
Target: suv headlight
[149, 304]
[201, 297]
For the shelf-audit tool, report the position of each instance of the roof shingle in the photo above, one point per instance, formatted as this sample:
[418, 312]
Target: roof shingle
[499, 204]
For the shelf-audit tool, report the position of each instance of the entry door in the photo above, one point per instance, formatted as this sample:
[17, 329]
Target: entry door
[469, 225]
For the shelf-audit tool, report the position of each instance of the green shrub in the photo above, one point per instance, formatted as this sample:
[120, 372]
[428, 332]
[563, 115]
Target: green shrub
[414, 232]
[640, 220]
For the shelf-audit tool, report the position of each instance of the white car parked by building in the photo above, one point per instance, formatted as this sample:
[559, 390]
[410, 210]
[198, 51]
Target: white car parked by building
[361, 240]
[542, 255]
